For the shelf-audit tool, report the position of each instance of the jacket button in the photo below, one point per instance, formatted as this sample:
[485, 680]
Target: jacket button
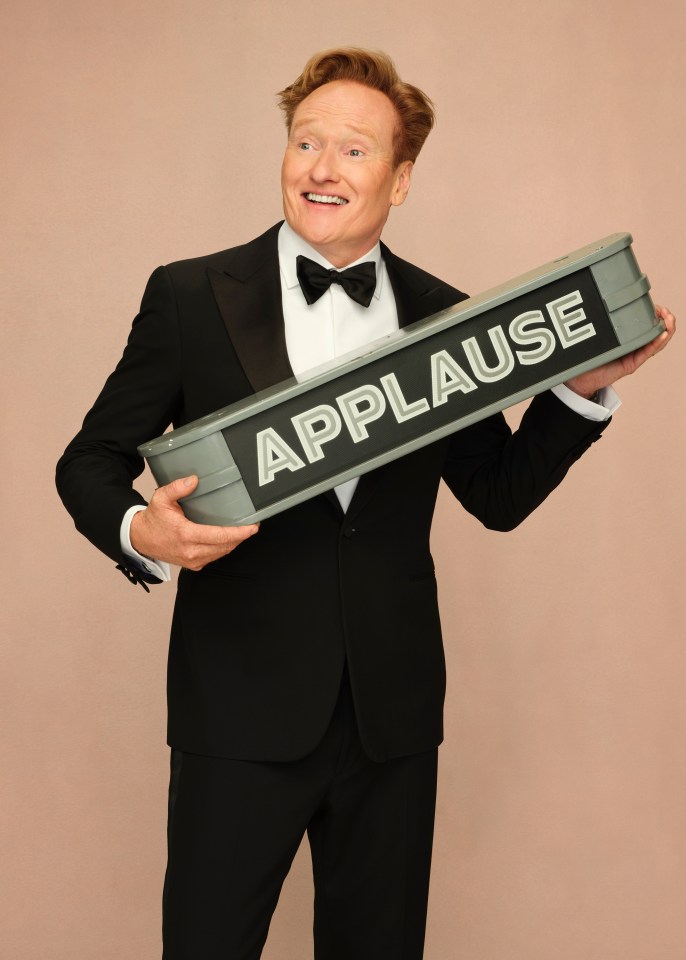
[349, 531]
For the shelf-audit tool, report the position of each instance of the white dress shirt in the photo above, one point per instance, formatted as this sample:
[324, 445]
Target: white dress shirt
[336, 325]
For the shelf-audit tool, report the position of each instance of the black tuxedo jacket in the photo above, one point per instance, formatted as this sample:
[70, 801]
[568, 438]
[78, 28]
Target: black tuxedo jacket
[260, 637]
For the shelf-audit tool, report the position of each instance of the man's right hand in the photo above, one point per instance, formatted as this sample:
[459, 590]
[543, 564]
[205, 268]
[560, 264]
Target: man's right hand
[162, 532]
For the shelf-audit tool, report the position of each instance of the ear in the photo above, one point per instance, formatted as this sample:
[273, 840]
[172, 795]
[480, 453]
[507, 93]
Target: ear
[401, 183]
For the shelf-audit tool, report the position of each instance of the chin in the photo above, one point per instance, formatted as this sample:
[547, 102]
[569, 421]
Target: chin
[317, 238]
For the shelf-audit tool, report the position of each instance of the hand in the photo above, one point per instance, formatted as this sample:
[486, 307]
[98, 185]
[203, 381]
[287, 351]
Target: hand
[586, 384]
[162, 532]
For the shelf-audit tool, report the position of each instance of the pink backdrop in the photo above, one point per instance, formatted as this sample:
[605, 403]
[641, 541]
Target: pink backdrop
[139, 133]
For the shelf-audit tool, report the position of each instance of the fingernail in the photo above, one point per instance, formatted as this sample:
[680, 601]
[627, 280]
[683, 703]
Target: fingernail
[188, 482]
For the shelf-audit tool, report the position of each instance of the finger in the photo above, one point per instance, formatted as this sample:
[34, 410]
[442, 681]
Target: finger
[222, 540]
[639, 357]
[669, 320]
[174, 491]
[661, 341]
[221, 536]
[667, 317]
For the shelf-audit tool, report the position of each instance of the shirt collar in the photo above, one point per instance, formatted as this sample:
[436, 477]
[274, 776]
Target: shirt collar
[292, 245]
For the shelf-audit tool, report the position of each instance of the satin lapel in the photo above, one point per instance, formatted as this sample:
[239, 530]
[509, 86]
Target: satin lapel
[417, 296]
[248, 294]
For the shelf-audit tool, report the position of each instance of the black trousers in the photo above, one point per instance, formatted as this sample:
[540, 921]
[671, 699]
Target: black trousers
[235, 826]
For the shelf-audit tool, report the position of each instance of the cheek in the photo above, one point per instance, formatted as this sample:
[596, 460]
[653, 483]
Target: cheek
[286, 176]
[289, 170]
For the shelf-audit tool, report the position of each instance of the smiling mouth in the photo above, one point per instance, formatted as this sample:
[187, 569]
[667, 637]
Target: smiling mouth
[324, 198]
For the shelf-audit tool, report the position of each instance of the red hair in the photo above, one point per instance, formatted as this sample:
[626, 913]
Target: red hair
[375, 69]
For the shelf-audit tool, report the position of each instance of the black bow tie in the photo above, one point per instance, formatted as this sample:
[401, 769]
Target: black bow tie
[359, 282]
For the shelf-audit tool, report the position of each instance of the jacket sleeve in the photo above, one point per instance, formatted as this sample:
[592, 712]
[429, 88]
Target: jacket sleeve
[138, 402]
[501, 477]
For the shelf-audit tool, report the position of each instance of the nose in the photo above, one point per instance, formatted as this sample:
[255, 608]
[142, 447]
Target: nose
[325, 167]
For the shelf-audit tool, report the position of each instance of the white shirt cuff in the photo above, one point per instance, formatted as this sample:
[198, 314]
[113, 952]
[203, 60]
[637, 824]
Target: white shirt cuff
[158, 568]
[608, 402]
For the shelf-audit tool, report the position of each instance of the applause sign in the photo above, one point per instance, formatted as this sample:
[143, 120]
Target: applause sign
[275, 449]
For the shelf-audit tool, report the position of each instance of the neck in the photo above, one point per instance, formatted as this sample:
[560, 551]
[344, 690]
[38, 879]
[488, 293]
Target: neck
[334, 254]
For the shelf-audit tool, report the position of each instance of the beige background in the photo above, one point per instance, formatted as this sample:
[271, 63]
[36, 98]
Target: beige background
[140, 132]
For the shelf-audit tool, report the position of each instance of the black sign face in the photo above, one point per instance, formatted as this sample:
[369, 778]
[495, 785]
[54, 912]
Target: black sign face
[427, 385]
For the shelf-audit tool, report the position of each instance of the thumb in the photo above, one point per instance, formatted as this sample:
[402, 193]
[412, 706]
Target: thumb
[174, 491]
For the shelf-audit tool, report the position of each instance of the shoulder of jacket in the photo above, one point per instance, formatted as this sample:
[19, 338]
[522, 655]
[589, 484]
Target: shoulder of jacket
[225, 260]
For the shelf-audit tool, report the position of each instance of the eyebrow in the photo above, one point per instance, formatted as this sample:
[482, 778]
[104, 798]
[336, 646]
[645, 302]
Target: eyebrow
[366, 132]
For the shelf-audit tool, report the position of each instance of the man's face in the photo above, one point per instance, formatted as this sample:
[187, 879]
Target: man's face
[338, 178]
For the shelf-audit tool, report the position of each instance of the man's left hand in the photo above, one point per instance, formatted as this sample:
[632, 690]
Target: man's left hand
[586, 384]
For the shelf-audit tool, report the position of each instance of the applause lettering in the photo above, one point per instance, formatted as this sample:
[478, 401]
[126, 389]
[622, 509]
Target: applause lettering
[417, 394]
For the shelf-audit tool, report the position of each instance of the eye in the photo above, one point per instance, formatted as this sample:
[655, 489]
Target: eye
[355, 152]
[304, 146]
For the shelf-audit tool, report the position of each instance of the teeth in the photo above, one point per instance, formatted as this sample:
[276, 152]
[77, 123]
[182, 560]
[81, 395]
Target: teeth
[323, 198]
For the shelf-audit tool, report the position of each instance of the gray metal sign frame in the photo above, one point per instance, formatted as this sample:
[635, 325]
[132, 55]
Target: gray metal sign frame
[306, 435]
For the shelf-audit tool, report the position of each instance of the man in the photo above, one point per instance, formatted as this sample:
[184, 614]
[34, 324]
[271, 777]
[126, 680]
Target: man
[306, 671]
